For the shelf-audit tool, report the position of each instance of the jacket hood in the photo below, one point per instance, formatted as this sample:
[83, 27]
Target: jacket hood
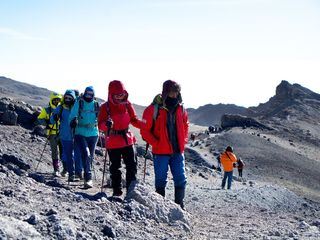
[54, 95]
[70, 93]
[116, 87]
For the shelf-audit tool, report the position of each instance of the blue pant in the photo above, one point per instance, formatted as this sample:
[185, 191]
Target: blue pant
[71, 158]
[225, 176]
[77, 160]
[86, 146]
[177, 167]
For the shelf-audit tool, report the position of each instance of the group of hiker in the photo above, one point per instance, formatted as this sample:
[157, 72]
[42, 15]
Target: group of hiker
[73, 123]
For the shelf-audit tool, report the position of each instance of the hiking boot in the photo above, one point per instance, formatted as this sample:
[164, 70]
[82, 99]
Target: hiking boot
[161, 191]
[88, 184]
[179, 193]
[56, 174]
[79, 175]
[71, 178]
[64, 173]
[117, 192]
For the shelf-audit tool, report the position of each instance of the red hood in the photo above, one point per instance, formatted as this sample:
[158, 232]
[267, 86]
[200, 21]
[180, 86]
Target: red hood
[116, 87]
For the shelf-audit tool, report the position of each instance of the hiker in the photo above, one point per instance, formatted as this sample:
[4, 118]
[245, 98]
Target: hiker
[166, 130]
[240, 165]
[83, 119]
[114, 118]
[77, 154]
[193, 137]
[61, 113]
[52, 131]
[228, 160]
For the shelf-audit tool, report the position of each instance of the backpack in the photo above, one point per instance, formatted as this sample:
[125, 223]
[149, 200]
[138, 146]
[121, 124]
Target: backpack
[96, 107]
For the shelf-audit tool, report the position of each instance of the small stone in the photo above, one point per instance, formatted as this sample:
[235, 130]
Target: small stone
[51, 212]
[108, 231]
[32, 220]
[316, 223]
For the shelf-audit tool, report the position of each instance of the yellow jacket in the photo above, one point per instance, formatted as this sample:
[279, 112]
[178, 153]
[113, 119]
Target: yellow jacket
[44, 116]
[227, 160]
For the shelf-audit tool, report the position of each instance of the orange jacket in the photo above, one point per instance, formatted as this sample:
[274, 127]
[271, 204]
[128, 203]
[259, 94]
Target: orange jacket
[227, 162]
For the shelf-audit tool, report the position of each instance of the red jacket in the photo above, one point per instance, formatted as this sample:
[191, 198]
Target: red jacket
[158, 138]
[122, 114]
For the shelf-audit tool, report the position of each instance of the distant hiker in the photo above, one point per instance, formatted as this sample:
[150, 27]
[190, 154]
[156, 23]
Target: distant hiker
[114, 118]
[165, 128]
[193, 136]
[83, 118]
[62, 113]
[52, 130]
[228, 159]
[219, 164]
[240, 165]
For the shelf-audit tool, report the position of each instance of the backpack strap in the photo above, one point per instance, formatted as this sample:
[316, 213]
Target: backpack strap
[81, 103]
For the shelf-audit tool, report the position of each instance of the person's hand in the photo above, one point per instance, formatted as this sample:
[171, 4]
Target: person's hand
[55, 117]
[234, 165]
[74, 123]
[109, 123]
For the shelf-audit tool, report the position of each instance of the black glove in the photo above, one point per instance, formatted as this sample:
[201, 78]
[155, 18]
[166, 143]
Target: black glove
[109, 123]
[55, 117]
[234, 165]
[74, 123]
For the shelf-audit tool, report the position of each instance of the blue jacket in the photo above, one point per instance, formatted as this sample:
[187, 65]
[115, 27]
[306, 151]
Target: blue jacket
[65, 132]
[87, 118]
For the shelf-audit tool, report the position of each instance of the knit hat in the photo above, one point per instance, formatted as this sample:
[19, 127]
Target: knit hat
[169, 86]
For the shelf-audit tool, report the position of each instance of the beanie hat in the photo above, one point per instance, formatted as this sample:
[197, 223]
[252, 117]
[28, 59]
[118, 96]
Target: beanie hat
[169, 86]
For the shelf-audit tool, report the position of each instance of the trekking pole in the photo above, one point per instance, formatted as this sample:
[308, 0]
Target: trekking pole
[145, 163]
[45, 145]
[104, 166]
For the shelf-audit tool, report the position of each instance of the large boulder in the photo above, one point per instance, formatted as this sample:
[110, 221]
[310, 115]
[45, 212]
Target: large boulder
[230, 120]
[17, 112]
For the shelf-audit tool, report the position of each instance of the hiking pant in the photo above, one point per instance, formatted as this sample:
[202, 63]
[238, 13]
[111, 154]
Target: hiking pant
[240, 172]
[73, 164]
[177, 167]
[128, 155]
[56, 151]
[77, 159]
[86, 146]
[225, 176]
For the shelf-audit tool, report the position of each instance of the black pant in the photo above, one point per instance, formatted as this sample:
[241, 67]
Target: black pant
[240, 172]
[128, 155]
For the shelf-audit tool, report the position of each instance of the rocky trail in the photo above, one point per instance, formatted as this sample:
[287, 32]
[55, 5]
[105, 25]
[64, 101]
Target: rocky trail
[36, 205]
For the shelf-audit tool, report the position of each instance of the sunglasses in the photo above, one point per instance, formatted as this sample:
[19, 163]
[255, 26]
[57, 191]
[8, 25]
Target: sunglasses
[119, 96]
[56, 100]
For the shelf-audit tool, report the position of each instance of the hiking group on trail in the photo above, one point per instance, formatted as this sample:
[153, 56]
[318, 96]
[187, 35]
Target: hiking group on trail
[73, 123]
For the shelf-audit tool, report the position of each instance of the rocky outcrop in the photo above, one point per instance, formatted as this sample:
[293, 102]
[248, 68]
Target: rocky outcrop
[14, 112]
[290, 100]
[229, 121]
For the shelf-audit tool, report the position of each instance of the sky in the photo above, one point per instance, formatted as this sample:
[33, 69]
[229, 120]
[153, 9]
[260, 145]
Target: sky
[219, 51]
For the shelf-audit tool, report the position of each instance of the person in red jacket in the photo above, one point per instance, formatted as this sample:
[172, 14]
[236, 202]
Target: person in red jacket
[165, 128]
[114, 118]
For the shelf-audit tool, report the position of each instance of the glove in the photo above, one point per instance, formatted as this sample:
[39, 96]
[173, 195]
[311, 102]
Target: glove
[74, 123]
[234, 165]
[109, 123]
[55, 117]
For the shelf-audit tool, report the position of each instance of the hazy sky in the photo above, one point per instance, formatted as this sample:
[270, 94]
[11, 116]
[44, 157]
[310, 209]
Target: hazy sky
[220, 51]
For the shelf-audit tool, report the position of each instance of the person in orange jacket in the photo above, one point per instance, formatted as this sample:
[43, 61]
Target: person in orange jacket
[166, 130]
[228, 160]
[114, 118]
